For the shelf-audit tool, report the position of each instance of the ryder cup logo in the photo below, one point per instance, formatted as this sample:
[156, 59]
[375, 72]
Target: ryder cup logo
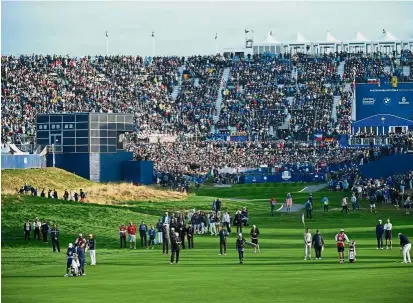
[286, 175]
[404, 101]
[387, 101]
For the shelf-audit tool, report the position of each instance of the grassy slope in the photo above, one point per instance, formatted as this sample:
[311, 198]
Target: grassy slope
[54, 178]
[276, 274]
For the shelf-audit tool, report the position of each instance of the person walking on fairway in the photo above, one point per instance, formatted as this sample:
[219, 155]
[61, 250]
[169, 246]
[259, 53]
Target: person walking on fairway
[175, 243]
[379, 234]
[388, 230]
[223, 234]
[272, 204]
[289, 202]
[54, 235]
[91, 245]
[255, 233]
[309, 209]
[340, 239]
[318, 244]
[69, 253]
[344, 205]
[354, 202]
[240, 245]
[307, 244]
[405, 247]
[190, 236]
[324, 201]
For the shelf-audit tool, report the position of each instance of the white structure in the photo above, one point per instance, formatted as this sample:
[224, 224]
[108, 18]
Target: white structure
[386, 43]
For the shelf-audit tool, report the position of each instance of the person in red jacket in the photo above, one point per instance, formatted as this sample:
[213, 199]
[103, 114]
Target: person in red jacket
[341, 238]
[132, 235]
[122, 235]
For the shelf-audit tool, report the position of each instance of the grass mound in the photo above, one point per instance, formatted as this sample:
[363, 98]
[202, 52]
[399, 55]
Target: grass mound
[55, 178]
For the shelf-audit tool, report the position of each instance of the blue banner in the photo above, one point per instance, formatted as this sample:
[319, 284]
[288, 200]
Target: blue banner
[239, 138]
[372, 99]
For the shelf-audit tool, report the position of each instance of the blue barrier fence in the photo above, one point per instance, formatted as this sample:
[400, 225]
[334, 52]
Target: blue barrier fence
[22, 161]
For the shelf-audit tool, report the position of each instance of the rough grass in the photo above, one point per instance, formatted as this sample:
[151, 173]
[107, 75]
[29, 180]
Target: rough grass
[109, 193]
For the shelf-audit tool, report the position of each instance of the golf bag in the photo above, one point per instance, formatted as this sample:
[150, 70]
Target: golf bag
[352, 252]
[75, 267]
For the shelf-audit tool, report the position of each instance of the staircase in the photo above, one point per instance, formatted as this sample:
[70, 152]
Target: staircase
[294, 74]
[340, 69]
[406, 71]
[334, 109]
[224, 79]
[177, 88]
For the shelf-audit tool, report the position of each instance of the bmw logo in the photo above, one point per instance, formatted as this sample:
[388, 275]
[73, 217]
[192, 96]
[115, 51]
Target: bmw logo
[387, 101]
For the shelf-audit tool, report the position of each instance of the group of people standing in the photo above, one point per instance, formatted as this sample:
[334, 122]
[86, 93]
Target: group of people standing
[76, 255]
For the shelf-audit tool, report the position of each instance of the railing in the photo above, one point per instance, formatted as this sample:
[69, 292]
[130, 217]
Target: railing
[366, 141]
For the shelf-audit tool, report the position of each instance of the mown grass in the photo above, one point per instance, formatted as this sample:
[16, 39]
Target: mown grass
[277, 274]
[109, 193]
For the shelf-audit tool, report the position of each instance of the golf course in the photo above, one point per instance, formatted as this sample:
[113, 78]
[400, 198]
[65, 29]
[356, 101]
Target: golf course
[31, 272]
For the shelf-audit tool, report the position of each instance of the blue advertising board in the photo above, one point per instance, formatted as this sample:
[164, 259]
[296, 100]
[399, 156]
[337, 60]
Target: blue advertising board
[372, 99]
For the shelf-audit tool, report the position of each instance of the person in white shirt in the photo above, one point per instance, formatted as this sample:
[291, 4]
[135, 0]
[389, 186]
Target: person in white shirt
[354, 203]
[387, 230]
[226, 221]
[307, 244]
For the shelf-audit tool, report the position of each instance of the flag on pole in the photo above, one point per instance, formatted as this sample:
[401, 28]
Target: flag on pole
[107, 35]
[302, 218]
[216, 36]
[270, 33]
[247, 31]
[153, 34]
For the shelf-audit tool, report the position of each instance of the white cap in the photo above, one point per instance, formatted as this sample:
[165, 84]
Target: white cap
[239, 235]
[70, 245]
[342, 229]
[380, 220]
[80, 235]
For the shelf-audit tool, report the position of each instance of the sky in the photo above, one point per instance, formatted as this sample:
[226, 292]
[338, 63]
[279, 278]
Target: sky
[186, 28]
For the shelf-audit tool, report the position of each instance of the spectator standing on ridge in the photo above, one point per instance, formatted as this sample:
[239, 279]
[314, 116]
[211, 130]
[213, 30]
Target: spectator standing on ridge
[132, 235]
[54, 235]
[379, 234]
[45, 230]
[159, 227]
[91, 245]
[122, 236]
[151, 235]
[143, 229]
[27, 228]
[309, 209]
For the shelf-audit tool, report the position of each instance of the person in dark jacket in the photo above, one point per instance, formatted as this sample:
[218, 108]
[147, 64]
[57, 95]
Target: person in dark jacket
[143, 229]
[175, 246]
[159, 227]
[66, 195]
[45, 230]
[81, 252]
[70, 252]
[37, 225]
[238, 221]
[309, 209]
[405, 247]
[318, 243]
[239, 246]
[190, 236]
[54, 235]
[181, 229]
[151, 235]
[255, 233]
[379, 234]
[218, 205]
[223, 235]
[27, 228]
[165, 240]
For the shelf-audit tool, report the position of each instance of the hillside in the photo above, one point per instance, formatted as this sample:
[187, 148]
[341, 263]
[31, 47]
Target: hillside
[110, 193]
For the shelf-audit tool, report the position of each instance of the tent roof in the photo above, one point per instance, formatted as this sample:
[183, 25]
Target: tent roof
[388, 37]
[360, 37]
[271, 39]
[299, 39]
[330, 37]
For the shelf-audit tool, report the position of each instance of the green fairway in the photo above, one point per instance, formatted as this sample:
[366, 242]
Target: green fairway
[32, 272]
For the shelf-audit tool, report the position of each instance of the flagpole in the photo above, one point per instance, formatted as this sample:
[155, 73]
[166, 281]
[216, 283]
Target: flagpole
[153, 46]
[107, 45]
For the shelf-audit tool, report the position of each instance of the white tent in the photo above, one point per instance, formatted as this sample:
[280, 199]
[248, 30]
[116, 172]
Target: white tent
[387, 37]
[331, 38]
[360, 38]
[300, 39]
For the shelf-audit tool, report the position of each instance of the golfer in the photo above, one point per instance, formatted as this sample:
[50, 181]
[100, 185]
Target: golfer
[307, 244]
[405, 247]
[379, 234]
[91, 245]
[69, 254]
[387, 229]
[175, 246]
[340, 239]
[255, 233]
[239, 246]
[223, 234]
[318, 244]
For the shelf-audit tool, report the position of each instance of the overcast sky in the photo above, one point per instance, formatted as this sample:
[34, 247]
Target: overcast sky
[185, 28]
